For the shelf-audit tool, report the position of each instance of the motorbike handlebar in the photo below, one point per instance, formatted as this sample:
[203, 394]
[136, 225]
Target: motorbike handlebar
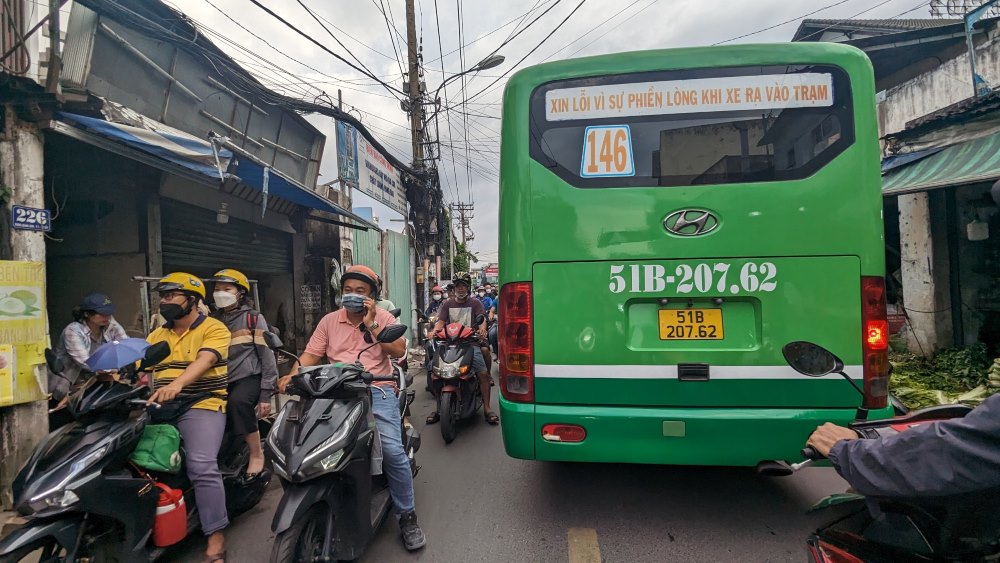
[142, 403]
[383, 378]
[809, 452]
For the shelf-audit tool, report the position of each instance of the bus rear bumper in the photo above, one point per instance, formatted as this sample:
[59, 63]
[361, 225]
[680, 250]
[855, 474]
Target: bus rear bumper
[668, 436]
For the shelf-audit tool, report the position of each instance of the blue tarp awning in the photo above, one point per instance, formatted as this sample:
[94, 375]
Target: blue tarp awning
[178, 152]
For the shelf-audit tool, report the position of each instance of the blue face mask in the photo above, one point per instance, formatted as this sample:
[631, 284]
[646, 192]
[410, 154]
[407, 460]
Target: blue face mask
[353, 302]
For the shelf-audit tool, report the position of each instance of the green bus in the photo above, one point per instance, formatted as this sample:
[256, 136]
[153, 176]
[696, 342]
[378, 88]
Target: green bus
[669, 220]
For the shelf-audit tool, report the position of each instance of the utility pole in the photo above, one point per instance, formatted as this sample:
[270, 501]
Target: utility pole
[451, 240]
[415, 88]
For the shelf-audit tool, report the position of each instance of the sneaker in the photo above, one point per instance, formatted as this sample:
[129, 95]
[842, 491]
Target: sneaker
[413, 536]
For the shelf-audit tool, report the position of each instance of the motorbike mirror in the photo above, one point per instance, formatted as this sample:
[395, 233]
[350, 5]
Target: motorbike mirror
[391, 333]
[396, 312]
[479, 320]
[811, 359]
[154, 355]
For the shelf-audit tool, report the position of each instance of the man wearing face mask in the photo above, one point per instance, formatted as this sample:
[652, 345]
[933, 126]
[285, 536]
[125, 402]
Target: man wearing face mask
[194, 375]
[465, 309]
[339, 337]
[253, 370]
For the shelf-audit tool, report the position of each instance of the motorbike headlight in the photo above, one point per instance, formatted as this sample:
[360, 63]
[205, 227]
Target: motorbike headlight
[272, 438]
[323, 448]
[58, 499]
[58, 496]
[331, 461]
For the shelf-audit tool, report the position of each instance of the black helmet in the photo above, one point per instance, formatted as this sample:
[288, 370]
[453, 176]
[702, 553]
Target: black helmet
[463, 277]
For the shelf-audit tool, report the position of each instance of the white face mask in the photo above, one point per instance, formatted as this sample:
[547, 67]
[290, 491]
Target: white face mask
[482, 294]
[224, 299]
[437, 296]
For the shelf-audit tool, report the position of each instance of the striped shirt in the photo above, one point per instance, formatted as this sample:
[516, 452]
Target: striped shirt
[204, 334]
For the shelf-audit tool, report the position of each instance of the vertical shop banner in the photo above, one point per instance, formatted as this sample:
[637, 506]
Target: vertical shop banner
[362, 166]
[23, 333]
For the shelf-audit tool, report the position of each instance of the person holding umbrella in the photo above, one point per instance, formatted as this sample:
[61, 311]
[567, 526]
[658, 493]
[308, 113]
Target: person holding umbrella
[194, 375]
[93, 325]
[253, 369]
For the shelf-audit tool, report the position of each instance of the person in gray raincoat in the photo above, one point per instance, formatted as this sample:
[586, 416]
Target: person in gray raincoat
[253, 369]
[940, 459]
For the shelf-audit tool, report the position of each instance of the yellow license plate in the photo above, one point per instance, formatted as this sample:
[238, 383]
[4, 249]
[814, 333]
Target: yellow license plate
[691, 324]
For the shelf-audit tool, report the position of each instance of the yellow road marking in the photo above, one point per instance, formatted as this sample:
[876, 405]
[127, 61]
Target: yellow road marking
[583, 547]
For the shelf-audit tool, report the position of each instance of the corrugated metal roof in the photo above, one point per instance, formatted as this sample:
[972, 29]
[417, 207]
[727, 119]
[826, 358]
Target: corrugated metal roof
[810, 29]
[898, 25]
[965, 163]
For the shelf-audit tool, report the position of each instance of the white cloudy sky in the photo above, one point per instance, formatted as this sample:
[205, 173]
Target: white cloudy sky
[289, 63]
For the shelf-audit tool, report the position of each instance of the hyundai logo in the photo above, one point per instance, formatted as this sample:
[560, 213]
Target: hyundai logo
[690, 222]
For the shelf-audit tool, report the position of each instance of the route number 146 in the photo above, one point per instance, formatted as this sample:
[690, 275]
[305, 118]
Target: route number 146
[607, 151]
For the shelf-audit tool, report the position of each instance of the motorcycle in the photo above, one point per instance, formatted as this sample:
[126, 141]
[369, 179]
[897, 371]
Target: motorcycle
[427, 340]
[323, 447]
[453, 381]
[83, 498]
[877, 530]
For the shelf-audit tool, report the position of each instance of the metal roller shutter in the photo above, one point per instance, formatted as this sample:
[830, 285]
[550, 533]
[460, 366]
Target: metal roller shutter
[193, 241]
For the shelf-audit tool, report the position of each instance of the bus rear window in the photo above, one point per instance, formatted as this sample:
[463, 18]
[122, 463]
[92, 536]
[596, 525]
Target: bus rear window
[692, 127]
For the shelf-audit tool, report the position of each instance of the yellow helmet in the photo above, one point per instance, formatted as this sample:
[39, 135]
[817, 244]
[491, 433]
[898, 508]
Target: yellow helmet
[181, 281]
[234, 277]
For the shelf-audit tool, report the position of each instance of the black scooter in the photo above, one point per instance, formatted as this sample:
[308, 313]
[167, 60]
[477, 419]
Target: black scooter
[82, 497]
[322, 447]
[879, 530]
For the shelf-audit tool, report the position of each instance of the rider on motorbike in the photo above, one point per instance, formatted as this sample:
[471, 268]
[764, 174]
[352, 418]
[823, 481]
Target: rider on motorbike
[436, 294]
[464, 309]
[252, 366]
[196, 366]
[340, 336]
[944, 458]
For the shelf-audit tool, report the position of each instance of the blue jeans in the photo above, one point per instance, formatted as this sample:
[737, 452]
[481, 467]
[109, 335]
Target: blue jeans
[395, 463]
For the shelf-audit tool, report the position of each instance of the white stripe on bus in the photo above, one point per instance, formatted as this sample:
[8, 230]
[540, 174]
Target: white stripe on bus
[670, 372]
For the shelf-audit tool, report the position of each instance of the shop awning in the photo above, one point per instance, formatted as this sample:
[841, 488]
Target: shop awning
[965, 163]
[185, 155]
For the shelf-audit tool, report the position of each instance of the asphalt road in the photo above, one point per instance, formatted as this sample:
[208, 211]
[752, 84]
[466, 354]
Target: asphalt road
[476, 504]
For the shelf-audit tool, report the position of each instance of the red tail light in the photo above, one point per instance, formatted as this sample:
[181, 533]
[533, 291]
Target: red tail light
[823, 552]
[570, 433]
[515, 340]
[874, 341]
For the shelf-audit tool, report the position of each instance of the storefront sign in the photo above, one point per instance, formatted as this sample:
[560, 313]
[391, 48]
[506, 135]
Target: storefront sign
[362, 166]
[699, 95]
[23, 332]
[30, 219]
[311, 298]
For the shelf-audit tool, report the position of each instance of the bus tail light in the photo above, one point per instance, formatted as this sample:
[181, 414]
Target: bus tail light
[874, 341]
[568, 433]
[515, 340]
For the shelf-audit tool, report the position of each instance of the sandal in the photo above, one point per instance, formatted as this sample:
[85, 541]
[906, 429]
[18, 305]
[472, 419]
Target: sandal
[433, 418]
[491, 418]
[216, 557]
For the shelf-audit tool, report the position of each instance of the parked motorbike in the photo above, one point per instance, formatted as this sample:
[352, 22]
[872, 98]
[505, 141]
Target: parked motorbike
[453, 381]
[323, 447]
[84, 500]
[954, 528]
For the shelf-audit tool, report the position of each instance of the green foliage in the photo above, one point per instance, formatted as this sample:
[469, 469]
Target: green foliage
[956, 375]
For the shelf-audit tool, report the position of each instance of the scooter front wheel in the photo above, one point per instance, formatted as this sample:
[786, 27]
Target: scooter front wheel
[46, 550]
[446, 410]
[304, 540]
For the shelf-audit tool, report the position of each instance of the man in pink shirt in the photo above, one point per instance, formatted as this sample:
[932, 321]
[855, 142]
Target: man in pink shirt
[339, 337]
